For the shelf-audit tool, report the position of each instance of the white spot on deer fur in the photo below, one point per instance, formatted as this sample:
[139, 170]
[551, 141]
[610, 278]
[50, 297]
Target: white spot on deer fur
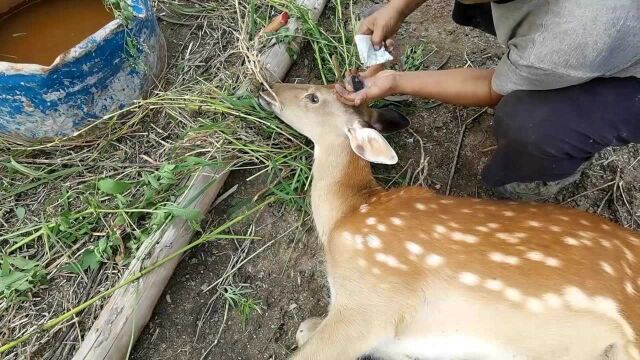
[586, 234]
[359, 241]
[585, 222]
[551, 261]
[512, 238]
[413, 248]
[513, 294]
[508, 213]
[466, 211]
[576, 298]
[482, 228]
[629, 255]
[493, 225]
[364, 208]
[454, 225]
[534, 224]
[634, 240]
[605, 243]
[570, 241]
[627, 269]
[535, 256]
[564, 218]
[468, 278]
[555, 228]
[586, 242]
[534, 304]
[381, 227]
[371, 221]
[433, 206]
[396, 221]
[374, 242]
[607, 268]
[390, 260]
[440, 229]
[553, 300]
[503, 258]
[445, 201]
[495, 285]
[420, 206]
[605, 226]
[468, 238]
[434, 260]
[362, 262]
[628, 286]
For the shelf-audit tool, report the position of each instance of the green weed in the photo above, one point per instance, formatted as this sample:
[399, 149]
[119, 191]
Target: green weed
[238, 297]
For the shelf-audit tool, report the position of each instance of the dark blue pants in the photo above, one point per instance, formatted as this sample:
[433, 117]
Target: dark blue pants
[546, 135]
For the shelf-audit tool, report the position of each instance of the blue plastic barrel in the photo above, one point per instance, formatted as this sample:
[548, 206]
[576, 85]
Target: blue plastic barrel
[86, 83]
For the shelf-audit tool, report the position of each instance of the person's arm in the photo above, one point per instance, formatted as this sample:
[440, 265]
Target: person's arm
[466, 87]
[384, 23]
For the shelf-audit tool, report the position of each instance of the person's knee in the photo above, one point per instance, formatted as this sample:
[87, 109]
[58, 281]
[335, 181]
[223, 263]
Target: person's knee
[520, 123]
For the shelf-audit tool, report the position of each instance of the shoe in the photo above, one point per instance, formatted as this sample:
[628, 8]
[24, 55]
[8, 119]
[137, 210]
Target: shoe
[537, 190]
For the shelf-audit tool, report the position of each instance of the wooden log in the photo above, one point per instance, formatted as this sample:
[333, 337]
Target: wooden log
[127, 312]
[129, 309]
[276, 62]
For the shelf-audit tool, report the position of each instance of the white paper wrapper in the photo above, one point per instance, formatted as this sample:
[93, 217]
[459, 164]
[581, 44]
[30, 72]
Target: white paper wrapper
[368, 55]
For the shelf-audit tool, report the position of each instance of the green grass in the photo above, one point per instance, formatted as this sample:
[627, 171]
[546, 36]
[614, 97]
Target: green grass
[239, 298]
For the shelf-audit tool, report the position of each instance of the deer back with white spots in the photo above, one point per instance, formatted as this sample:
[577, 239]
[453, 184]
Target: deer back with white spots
[414, 274]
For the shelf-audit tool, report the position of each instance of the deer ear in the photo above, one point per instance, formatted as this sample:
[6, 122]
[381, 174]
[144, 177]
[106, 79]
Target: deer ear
[371, 145]
[387, 120]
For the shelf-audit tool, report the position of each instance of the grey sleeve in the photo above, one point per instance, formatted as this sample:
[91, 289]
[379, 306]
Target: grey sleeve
[512, 74]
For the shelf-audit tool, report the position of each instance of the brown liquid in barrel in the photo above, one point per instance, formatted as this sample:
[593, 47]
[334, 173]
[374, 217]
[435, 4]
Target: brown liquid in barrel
[40, 31]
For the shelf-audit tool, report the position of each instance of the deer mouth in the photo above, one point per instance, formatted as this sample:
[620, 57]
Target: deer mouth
[267, 102]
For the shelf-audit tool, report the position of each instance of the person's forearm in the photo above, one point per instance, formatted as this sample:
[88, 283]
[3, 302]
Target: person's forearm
[406, 7]
[467, 87]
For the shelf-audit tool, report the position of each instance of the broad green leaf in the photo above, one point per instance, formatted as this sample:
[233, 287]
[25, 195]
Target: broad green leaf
[23, 263]
[113, 187]
[21, 212]
[189, 214]
[88, 260]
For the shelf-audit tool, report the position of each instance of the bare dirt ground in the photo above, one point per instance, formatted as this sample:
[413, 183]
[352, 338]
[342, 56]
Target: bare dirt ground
[286, 272]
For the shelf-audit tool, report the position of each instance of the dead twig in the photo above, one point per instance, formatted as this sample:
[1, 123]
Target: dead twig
[457, 155]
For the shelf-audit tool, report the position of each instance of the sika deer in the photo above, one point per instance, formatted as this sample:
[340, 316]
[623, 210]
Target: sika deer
[417, 275]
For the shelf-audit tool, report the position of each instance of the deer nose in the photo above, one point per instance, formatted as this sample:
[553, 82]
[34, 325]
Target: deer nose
[266, 99]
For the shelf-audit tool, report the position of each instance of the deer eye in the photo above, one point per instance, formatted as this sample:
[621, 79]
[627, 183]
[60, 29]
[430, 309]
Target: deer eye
[313, 98]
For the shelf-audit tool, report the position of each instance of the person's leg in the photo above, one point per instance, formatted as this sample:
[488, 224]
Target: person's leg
[477, 16]
[545, 136]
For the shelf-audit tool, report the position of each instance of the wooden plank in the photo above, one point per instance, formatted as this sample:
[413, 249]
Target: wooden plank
[127, 312]
[129, 309]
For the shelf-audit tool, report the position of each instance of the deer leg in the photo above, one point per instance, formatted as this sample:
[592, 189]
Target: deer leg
[306, 329]
[342, 335]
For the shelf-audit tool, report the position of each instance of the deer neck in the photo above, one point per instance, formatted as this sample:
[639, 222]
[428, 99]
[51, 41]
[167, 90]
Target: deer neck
[342, 181]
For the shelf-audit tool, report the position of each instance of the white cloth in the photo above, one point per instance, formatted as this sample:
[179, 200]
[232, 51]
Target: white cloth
[368, 54]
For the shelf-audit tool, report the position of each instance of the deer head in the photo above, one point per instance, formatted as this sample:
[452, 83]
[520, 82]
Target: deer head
[314, 111]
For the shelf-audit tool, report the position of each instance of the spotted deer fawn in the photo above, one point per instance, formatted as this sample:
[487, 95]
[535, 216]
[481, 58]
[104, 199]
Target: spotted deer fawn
[417, 275]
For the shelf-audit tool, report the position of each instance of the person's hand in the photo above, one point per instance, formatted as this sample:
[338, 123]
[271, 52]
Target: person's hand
[377, 85]
[382, 24]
